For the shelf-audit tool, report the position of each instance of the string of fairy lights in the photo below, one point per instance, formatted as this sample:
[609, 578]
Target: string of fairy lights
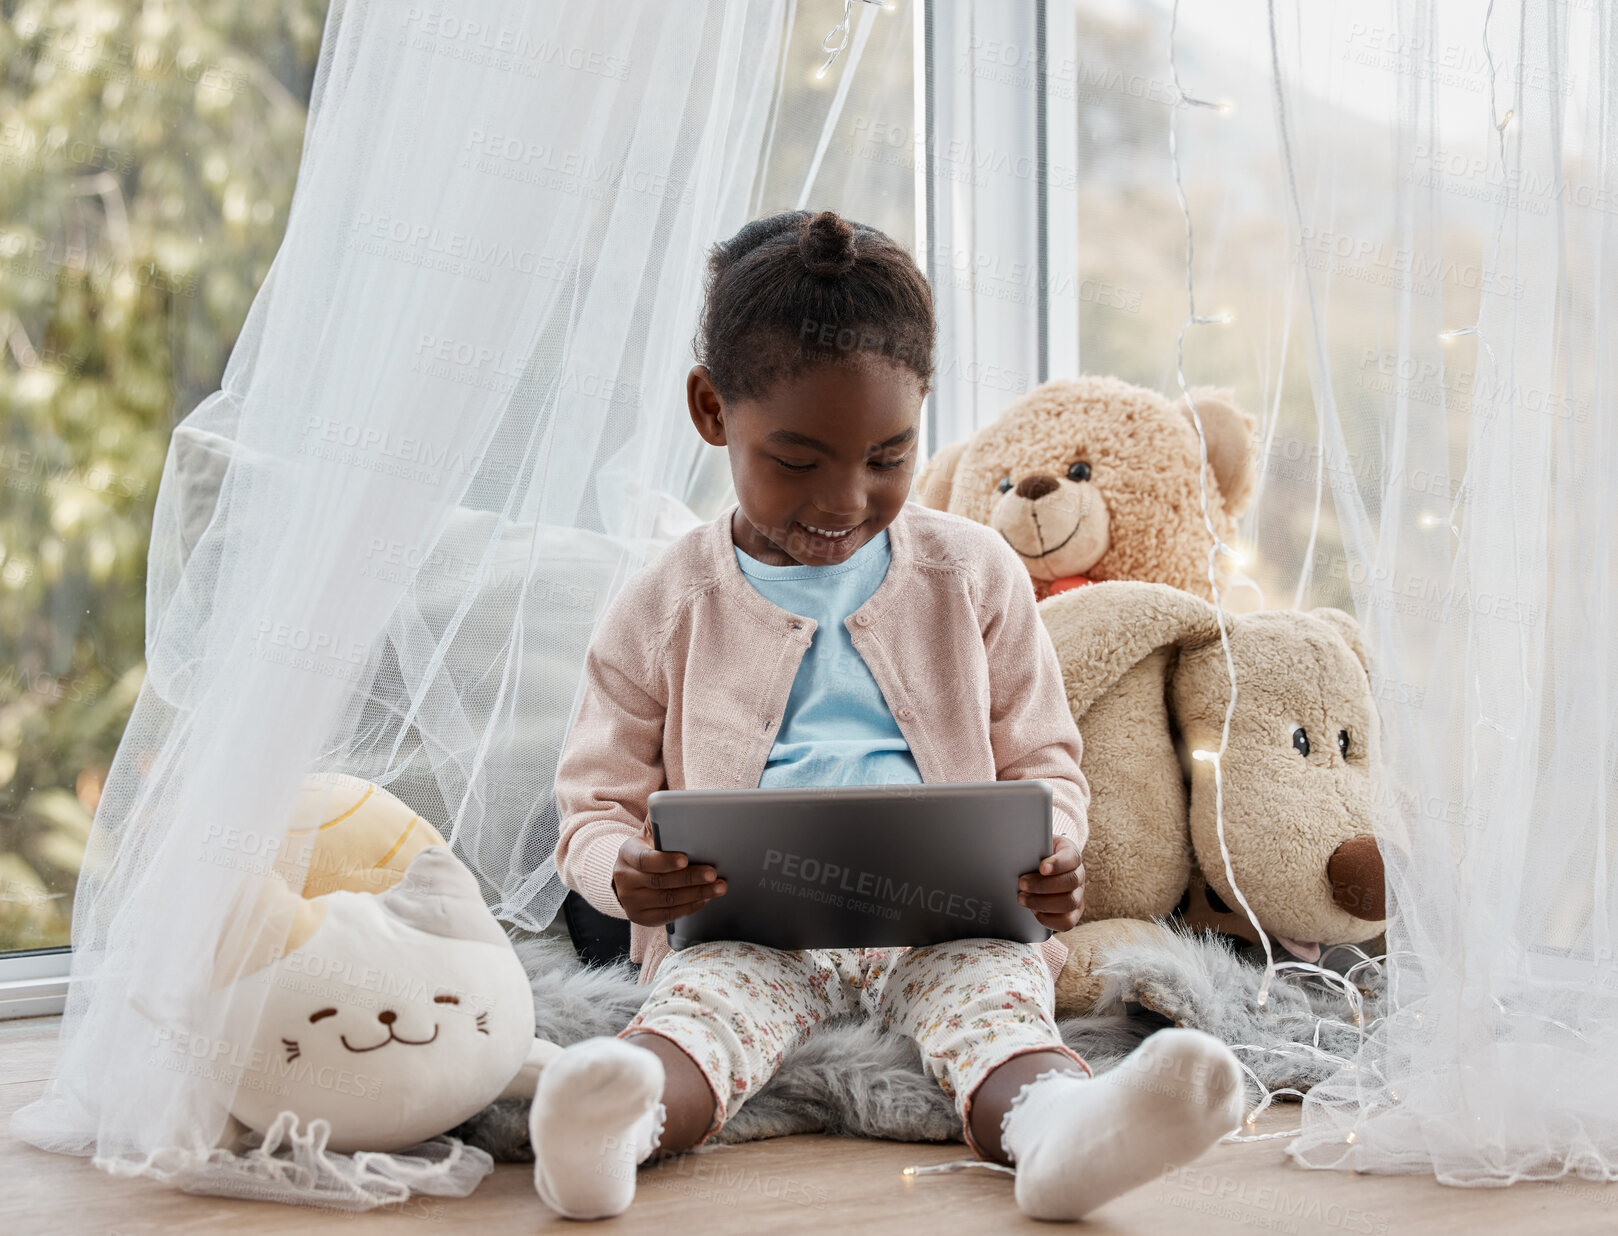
[1345, 981]
[1216, 544]
[837, 37]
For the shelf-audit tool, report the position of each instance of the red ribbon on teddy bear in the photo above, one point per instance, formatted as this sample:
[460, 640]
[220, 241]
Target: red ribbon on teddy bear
[1066, 582]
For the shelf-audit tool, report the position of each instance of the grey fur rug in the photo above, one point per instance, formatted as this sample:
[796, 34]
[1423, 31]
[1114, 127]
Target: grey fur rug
[849, 1079]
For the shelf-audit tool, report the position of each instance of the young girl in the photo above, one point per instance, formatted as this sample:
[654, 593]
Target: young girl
[824, 631]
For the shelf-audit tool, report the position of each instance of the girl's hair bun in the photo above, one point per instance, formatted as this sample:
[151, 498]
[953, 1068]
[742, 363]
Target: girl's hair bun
[826, 244]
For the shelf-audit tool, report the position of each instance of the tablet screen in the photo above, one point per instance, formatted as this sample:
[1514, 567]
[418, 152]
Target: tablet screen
[860, 866]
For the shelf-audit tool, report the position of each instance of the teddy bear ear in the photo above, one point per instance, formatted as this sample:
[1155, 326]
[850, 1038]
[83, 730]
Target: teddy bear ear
[1104, 631]
[1229, 431]
[1345, 626]
[933, 485]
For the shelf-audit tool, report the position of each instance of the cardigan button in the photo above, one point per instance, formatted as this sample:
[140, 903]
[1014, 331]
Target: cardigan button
[863, 619]
[906, 714]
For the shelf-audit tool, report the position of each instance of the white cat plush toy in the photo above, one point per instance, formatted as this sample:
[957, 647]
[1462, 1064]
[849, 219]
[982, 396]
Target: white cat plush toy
[392, 1015]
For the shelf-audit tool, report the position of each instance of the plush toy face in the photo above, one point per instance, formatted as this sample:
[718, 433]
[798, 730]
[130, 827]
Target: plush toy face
[404, 1013]
[1145, 675]
[1297, 777]
[1055, 517]
[1097, 479]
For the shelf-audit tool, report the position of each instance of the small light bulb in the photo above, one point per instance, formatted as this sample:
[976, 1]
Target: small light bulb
[1350, 1137]
[1226, 106]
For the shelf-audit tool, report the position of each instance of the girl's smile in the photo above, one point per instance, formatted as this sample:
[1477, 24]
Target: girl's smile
[821, 543]
[798, 542]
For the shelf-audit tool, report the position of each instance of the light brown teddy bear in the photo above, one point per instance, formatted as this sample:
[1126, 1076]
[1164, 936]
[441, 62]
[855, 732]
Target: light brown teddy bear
[1092, 479]
[1148, 684]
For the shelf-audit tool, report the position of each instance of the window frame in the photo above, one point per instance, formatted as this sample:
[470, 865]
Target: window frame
[34, 983]
[1011, 344]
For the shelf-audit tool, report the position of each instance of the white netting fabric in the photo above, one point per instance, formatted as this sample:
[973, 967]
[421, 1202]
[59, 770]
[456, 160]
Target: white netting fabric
[453, 424]
[1443, 205]
[287, 1163]
[1498, 1058]
[1404, 217]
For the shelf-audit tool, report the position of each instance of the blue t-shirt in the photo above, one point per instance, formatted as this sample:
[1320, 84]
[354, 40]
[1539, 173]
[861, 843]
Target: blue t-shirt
[838, 730]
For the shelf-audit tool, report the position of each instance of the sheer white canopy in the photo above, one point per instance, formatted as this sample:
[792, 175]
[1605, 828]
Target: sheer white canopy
[1404, 218]
[1479, 538]
[453, 423]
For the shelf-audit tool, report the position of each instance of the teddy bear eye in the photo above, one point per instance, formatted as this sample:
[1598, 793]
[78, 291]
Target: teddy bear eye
[1300, 740]
[1079, 471]
[1005, 483]
[1342, 742]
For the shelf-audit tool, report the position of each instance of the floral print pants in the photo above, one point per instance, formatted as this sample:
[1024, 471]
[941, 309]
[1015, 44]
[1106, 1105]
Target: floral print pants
[736, 1009]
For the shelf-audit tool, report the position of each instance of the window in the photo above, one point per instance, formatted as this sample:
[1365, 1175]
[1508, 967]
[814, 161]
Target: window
[147, 159]
[149, 162]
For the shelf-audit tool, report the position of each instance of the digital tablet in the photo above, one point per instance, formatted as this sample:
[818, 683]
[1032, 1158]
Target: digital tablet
[860, 866]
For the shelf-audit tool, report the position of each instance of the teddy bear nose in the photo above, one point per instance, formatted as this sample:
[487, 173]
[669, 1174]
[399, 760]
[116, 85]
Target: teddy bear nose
[1037, 485]
[1357, 882]
[387, 1017]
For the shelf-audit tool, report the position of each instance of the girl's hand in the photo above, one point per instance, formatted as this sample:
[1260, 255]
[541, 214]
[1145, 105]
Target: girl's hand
[658, 886]
[1055, 893]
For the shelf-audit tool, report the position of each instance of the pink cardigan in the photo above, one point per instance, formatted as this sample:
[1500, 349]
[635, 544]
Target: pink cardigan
[687, 676]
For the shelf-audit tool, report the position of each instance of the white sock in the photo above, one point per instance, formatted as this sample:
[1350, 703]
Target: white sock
[1078, 1142]
[596, 1116]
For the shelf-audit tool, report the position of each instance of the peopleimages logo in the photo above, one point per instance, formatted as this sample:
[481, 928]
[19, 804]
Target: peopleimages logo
[848, 889]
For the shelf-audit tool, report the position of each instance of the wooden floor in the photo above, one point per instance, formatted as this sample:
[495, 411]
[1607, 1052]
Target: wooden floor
[792, 1185]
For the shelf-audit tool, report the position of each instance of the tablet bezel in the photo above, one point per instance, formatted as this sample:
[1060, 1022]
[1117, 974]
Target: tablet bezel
[956, 810]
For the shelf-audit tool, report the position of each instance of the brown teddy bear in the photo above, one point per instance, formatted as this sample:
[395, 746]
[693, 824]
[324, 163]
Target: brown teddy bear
[1092, 479]
[1148, 685]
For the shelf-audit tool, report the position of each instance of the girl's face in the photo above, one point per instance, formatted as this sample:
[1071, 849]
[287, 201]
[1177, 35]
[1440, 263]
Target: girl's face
[832, 450]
